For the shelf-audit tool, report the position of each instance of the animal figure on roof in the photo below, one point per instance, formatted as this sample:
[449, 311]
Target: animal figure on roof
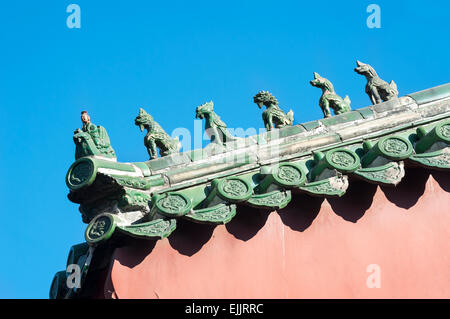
[156, 137]
[214, 126]
[273, 116]
[329, 98]
[377, 89]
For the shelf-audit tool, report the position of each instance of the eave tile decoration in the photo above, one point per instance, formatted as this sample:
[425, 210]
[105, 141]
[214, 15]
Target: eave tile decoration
[208, 186]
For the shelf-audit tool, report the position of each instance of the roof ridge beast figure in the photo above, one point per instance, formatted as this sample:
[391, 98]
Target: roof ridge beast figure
[329, 97]
[377, 89]
[214, 126]
[273, 116]
[156, 137]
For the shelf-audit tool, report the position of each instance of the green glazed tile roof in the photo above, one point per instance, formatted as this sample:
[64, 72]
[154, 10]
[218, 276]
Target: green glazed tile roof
[374, 144]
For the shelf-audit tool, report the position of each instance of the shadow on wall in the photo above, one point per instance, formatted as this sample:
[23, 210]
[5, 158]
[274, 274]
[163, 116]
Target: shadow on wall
[443, 179]
[188, 238]
[358, 198]
[410, 189]
[356, 201]
[247, 222]
[138, 248]
[301, 211]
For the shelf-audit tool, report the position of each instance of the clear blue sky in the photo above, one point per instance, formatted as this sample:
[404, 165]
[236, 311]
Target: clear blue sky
[169, 57]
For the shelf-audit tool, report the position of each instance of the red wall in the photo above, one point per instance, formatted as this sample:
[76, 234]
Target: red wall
[314, 248]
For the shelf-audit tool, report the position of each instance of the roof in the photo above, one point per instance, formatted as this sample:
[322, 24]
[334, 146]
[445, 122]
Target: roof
[320, 158]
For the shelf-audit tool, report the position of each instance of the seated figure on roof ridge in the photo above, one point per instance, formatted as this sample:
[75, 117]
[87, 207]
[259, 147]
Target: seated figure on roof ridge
[92, 140]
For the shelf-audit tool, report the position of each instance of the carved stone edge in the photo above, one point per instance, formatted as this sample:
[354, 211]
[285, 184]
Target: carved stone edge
[217, 215]
[439, 160]
[335, 186]
[389, 174]
[277, 199]
[155, 229]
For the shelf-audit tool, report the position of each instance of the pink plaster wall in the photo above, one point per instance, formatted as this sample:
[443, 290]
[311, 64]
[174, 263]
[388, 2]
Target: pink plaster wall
[314, 248]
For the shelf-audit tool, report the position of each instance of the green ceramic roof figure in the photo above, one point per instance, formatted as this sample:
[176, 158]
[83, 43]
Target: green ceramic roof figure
[92, 139]
[156, 137]
[329, 97]
[273, 116]
[377, 89]
[214, 126]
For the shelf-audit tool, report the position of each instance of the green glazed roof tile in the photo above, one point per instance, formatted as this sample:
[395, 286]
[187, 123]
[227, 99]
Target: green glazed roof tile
[386, 106]
[240, 143]
[366, 112]
[433, 94]
[144, 168]
[196, 155]
[310, 125]
[290, 130]
[211, 149]
[167, 161]
[280, 133]
[342, 118]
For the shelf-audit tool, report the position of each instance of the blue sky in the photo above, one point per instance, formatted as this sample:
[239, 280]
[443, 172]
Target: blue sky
[169, 57]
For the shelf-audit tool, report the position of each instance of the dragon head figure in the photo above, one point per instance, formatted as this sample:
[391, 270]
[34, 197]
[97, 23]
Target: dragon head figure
[204, 109]
[264, 98]
[364, 69]
[321, 82]
[143, 120]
